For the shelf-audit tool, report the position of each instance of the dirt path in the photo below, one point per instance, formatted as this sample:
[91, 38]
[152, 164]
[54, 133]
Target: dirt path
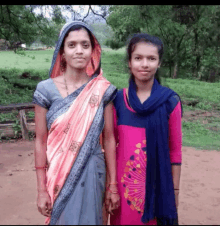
[199, 190]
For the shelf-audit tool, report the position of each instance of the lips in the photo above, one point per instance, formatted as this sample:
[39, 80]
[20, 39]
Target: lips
[144, 71]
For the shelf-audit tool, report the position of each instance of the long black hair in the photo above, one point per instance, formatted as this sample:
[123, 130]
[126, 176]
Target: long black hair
[144, 37]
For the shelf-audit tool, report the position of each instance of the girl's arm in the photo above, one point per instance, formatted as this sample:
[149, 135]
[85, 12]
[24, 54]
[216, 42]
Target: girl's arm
[175, 145]
[109, 145]
[43, 202]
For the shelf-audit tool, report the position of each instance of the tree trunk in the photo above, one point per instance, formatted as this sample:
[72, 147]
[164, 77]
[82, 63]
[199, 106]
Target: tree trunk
[198, 57]
[212, 76]
[170, 67]
[175, 71]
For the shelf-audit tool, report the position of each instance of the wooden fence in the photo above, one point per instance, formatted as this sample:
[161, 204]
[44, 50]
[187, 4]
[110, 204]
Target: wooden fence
[6, 128]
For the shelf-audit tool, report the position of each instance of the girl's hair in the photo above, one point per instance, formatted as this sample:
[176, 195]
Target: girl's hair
[75, 28]
[144, 37]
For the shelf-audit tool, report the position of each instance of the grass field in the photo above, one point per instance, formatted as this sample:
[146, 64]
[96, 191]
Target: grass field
[196, 133]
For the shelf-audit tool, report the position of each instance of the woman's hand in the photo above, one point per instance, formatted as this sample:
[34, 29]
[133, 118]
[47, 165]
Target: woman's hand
[112, 200]
[107, 200]
[44, 203]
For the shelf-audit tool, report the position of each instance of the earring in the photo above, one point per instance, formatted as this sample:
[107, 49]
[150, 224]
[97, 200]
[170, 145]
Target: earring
[63, 63]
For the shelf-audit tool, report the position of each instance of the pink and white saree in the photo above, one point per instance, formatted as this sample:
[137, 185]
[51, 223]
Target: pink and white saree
[76, 167]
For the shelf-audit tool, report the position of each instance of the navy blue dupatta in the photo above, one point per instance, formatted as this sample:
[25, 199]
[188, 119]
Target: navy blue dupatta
[159, 197]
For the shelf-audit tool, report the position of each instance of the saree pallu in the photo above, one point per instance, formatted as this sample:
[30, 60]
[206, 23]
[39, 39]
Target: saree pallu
[76, 167]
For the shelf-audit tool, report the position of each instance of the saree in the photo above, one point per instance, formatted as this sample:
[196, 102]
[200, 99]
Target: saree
[76, 164]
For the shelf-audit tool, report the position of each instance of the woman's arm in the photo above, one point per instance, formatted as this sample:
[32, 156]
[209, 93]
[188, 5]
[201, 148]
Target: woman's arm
[43, 202]
[40, 146]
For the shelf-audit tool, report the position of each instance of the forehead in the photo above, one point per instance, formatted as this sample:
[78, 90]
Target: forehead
[144, 48]
[78, 35]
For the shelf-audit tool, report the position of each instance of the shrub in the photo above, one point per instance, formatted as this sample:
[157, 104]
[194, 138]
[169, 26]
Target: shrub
[113, 44]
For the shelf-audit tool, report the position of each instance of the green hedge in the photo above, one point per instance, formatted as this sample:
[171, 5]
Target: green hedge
[17, 86]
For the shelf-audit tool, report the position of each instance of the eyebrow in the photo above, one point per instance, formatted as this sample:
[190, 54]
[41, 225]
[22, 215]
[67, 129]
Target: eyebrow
[83, 41]
[136, 54]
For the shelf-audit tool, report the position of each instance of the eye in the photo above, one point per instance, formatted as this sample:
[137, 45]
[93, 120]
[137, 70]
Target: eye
[137, 58]
[86, 46]
[71, 45]
[152, 58]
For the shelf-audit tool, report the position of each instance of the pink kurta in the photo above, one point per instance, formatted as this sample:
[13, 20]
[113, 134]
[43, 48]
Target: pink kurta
[131, 157]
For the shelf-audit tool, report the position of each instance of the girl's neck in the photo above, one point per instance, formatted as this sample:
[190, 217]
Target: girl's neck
[144, 86]
[144, 89]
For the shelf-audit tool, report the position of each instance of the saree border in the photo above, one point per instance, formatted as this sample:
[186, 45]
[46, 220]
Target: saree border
[39, 96]
[64, 105]
[90, 143]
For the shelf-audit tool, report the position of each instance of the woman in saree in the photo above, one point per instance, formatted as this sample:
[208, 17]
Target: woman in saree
[74, 132]
[149, 139]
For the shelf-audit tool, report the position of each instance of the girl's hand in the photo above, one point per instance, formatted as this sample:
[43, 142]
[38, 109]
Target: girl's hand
[115, 201]
[176, 192]
[44, 203]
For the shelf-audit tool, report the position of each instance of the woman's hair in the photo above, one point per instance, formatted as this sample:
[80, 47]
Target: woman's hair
[75, 28]
[144, 37]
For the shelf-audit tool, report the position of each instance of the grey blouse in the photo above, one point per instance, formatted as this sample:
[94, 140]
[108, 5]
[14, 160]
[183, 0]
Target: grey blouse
[48, 96]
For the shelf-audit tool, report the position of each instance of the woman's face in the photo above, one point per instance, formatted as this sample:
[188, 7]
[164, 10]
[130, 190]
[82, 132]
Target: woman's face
[144, 61]
[77, 49]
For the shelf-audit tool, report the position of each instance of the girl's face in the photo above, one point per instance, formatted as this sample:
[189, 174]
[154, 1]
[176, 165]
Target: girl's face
[144, 61]
[77, 49]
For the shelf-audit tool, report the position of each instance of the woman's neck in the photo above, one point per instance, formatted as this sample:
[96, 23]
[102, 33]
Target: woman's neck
[76, 76]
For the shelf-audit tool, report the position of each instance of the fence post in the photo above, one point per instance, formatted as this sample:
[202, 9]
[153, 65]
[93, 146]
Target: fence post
[23, 122]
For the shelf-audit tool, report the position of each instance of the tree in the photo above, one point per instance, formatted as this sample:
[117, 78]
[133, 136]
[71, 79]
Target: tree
[203, 24]
[126, 20]
[102, 31]
[20, 23]
[190, 33]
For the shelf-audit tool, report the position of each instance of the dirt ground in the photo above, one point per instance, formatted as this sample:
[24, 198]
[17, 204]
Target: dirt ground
[199, 189]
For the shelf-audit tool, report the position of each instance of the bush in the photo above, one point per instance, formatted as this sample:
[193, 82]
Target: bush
[15, 89]
[21, 52]
[113, 44]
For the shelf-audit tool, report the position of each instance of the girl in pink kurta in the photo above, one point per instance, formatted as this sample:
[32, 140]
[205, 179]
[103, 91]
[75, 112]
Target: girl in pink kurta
[144, 57]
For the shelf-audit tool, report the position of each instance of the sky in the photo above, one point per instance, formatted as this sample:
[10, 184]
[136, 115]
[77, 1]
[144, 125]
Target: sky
[82, 9]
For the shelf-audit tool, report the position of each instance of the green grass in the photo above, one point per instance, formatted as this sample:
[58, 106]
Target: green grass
[207, 93]
[37, 64]
[199, 136]
[41, 61]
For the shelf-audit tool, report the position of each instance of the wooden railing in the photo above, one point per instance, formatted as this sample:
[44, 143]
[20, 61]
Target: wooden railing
[6, 128]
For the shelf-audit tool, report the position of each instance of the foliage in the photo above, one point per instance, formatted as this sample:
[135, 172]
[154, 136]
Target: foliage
[190, 33]
[15, 89]
[17, 128]
[102, 32]
[19, 23]
[113, 44]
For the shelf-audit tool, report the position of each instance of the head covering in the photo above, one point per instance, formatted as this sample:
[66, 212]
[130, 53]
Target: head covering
[95, 63]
